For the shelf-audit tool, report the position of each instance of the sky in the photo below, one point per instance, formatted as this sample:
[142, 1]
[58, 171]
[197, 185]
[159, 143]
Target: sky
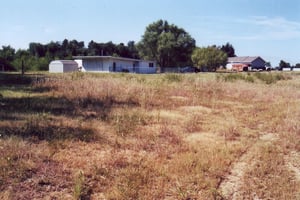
[266, 28]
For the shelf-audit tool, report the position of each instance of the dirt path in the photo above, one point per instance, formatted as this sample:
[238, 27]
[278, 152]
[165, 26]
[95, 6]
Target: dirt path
[230, 187]
[293, 163]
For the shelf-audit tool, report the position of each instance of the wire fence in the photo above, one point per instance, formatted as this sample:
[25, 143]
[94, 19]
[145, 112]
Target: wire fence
[138, 70]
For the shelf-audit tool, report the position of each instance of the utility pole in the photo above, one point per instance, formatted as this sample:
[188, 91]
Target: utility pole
[23, 68]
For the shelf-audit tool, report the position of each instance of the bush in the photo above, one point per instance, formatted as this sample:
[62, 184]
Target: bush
[269, 78]
[127, 121]
[32, 63]
[237, 76]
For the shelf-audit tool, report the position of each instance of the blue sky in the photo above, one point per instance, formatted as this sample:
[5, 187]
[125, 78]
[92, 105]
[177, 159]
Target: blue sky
[266, 28]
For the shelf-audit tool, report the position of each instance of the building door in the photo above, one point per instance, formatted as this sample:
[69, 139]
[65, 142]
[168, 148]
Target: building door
[136, 66]
[114, 66]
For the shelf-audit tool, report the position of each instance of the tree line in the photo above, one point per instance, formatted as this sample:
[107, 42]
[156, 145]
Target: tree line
[167, 44]
[38, 56]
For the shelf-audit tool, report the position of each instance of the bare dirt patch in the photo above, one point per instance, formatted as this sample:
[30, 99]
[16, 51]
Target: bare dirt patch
[200, 109]
[230, 187]
[167, 115]
[205, 138]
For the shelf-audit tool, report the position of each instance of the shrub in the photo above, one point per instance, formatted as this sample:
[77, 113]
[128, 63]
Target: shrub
[81, 190]
[269, 78]
[126, 121]
[236, 76]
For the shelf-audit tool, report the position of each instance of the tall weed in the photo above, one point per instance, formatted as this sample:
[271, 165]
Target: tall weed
[269, 78]
[172, 77]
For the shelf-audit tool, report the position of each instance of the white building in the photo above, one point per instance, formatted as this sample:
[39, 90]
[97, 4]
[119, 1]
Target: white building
[296, 69]
[59, 66]
[116, 64]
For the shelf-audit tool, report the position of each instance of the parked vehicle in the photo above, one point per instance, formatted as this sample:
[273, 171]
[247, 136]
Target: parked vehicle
[189, 70]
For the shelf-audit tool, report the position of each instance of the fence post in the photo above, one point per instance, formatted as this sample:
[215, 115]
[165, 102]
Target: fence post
[23, 68]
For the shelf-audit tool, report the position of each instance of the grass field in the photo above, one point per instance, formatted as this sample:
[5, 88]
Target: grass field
[165, 136]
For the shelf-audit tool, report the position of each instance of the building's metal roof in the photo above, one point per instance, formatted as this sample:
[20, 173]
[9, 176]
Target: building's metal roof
[64, 61]
[107, 57]
[243, 59]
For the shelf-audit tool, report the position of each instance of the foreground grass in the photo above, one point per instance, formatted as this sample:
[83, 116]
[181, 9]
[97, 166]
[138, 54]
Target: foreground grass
[125, 136]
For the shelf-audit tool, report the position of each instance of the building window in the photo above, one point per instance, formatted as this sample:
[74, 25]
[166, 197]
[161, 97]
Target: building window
[151, 64]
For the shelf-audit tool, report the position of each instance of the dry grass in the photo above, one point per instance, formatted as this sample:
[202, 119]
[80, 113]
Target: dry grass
[170, 136]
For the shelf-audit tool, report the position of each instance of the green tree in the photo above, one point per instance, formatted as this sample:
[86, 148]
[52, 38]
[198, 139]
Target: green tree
[5, 65]
[74, 48]
[21, 55]
[102, 49]
[37, 49]
[284, 64]
[209, 58]
[122, 50]
[167, 44]
[7, 53]
[53, 49]
[133, 52]
[228, 49]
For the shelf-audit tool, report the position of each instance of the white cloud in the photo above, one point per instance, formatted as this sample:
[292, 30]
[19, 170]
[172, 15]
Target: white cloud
[266, 28]
[252, 28]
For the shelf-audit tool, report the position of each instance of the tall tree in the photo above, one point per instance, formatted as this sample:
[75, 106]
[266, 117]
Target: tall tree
[7, 53]
[168, 44]
[284, 64]
[133, 52]
[228, 49]
[53, 49]
[102, 49]
[123, 50]
[92, 48]
[209, 58]
[37, 49]
[74, 48]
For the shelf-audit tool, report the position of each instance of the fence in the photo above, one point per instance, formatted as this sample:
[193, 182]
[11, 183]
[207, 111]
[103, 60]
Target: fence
[138, 70]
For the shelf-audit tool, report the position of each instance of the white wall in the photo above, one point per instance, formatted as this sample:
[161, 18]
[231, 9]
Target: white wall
[56, 67]
[79, 62]
[69, 67]
[229, 66]
[106, 65]
[59, 66]
[95, 65]
[145, 69]
[122, 65]
[296, 69]
[286, 69]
